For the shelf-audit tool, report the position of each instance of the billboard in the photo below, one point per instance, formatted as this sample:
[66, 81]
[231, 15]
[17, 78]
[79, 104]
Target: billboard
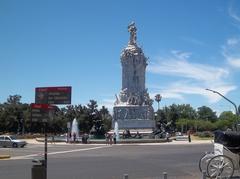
[53, 95]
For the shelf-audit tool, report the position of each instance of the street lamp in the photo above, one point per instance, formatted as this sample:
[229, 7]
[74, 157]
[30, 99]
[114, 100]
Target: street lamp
[158, 98]
[237, 110]
[235, 106]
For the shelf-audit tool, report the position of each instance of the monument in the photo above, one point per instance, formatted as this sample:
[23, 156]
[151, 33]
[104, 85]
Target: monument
[133, 106]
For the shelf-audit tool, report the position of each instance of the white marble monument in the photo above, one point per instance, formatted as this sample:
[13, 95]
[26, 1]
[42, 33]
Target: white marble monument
[133, 106]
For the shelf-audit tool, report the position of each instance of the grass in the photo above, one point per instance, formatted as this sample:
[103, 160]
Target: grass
[201, 138]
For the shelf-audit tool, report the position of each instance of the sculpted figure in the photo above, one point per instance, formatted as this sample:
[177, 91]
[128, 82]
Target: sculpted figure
[123, 95]
[133, 35]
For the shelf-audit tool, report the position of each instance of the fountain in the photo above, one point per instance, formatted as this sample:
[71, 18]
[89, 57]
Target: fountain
[116, 130]
[74, 130]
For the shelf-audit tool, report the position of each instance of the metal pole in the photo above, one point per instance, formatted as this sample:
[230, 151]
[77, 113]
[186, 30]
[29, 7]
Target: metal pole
[125, 176]
[235, 106]
[45, 147]
[164, 175]
[31, 121]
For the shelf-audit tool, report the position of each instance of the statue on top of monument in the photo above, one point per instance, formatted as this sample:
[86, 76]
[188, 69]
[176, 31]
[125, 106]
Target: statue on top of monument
[133, 33]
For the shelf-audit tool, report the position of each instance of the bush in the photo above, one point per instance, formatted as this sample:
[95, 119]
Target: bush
[204, 134]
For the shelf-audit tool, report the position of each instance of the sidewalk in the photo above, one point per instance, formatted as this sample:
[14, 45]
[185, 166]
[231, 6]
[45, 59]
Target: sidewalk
[173, 142]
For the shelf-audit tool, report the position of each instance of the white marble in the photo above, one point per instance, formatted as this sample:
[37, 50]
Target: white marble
[133, 101]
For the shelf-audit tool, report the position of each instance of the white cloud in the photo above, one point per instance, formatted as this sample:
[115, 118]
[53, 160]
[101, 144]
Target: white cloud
[235, 62]
[232, 41]
[231, 51]
[191, 78]
[232, 12]
[178, 89]
[180, 54]
[185, 69]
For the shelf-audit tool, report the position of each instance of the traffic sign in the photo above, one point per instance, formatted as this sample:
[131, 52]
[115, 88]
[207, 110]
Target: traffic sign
[42, 112]
[53, 95]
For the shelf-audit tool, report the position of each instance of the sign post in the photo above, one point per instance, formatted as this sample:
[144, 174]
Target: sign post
[40, 111]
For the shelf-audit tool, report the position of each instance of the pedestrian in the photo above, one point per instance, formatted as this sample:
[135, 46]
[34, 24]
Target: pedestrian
[167, 136]
[70, 137]
[107, 138]
[114, 138]
[53, 140]
[189, 136]
[74, 137]
[110, 139]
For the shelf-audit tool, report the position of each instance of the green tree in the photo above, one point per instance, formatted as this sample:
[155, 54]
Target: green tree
[186, 111]
[106, 119]
[172, 116]
[207, 114]
[14, 115]
[227, 115]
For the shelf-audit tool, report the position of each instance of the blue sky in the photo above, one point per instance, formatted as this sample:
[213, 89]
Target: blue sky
[191, 45]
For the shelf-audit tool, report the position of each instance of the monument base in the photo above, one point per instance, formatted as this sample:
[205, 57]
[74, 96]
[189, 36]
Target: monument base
[136, 124]
[134, 117]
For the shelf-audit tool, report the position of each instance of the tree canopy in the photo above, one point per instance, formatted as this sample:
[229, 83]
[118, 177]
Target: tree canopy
[15, 117]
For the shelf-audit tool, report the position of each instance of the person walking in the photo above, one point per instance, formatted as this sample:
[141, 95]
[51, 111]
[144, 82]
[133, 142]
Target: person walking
[189, 136]
[107, 138]
[110, 139]
[114, 138]
[53, 140]
[74, 137]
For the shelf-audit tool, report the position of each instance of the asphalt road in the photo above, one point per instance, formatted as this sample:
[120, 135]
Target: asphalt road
[107, 162]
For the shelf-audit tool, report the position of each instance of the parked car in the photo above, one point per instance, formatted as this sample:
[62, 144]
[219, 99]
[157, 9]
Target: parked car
[11, 141]
[180, 136]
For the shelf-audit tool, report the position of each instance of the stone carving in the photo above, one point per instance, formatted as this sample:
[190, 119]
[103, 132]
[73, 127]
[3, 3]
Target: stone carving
[147, 100]
[133, 102]
[133, 35]
[133, 99]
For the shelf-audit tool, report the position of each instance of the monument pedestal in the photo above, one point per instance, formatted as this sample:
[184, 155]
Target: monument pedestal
[134, 117]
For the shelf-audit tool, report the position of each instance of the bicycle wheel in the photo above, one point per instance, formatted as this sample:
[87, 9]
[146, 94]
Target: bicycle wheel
[220, 166]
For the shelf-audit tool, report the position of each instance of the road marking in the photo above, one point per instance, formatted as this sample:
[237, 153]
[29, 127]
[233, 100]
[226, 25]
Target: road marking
[55, 153]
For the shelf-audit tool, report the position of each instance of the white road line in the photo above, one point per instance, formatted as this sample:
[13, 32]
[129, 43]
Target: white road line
[55, 153]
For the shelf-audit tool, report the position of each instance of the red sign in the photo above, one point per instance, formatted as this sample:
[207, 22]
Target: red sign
[42, 106]
[53, 95]
[42, 112]
[54, 89]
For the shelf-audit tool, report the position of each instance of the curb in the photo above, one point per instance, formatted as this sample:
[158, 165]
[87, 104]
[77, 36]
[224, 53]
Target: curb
[4, 156]
[103, 141]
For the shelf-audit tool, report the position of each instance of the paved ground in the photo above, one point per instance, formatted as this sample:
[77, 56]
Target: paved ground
[141, 161]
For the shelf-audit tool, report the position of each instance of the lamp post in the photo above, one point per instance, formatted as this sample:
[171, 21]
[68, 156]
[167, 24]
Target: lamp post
[158, 98]
[237, 110]
[235, 106]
